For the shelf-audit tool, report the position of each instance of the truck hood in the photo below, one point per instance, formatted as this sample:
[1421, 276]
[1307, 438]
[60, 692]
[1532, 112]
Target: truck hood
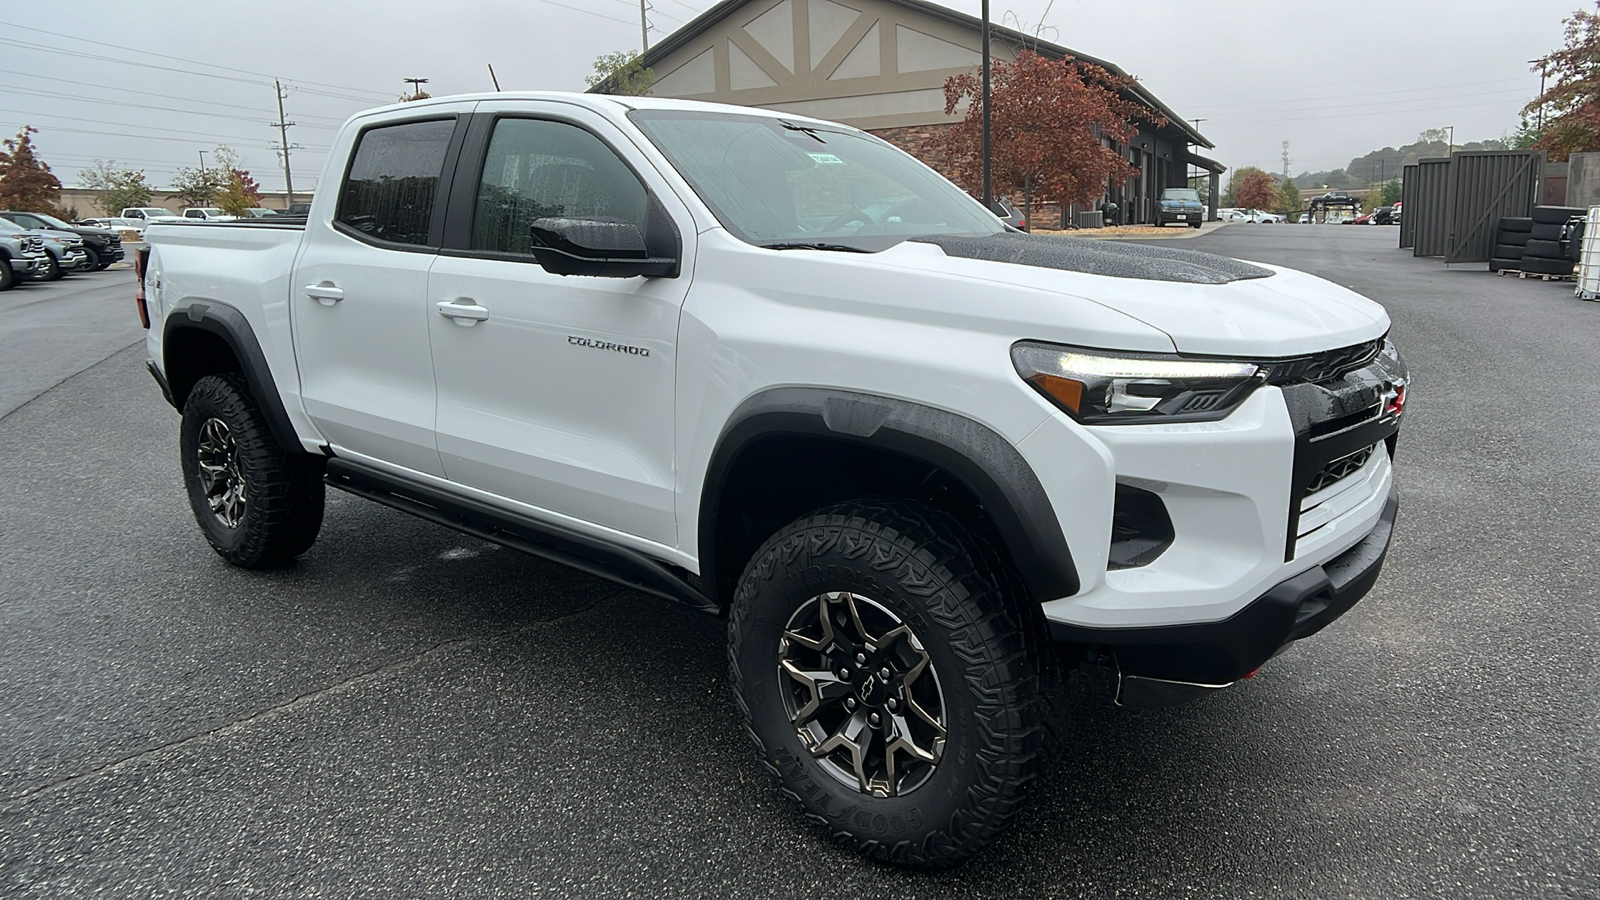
[1206, 304]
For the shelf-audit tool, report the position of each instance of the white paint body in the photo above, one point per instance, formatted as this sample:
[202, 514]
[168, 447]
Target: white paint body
[617, 446]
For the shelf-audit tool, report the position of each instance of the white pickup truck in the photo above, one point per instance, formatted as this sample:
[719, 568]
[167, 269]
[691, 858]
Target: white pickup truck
[777, 369]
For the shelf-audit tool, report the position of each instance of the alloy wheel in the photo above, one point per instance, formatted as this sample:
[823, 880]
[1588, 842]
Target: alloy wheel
[218, 463]
[861, 693]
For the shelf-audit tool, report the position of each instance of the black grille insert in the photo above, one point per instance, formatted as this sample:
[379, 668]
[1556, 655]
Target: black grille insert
[1320, 368]
[1340, 469]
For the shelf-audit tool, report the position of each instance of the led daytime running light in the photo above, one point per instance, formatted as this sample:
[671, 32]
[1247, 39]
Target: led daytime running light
[1113, 367]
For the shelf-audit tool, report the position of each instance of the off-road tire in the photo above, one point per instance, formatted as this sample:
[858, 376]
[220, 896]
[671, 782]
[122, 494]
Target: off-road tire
[985, 641]
[1545, 266]
[283, 491]
[52, 269]
[1544, 250]
[8, 275]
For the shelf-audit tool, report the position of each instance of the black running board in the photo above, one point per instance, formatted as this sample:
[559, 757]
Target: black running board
[481, 520]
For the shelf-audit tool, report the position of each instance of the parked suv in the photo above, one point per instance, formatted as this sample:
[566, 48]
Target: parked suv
[102, 245]
[1180, 205]
[777, 369]
[22, 254]
[63, 253]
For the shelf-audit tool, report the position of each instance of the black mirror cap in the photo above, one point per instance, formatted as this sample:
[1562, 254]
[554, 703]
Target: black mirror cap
[608, 248]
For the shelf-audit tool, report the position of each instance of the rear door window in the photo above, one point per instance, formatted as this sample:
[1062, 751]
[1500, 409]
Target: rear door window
[388, 195]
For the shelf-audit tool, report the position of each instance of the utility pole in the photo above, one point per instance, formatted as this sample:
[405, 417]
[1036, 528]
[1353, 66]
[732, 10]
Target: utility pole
[416, 86]
[1544, 71]
[988, 180]
[283, 125]
[644, 26]
[1286, 162]
[1452, 150]
[202, 162]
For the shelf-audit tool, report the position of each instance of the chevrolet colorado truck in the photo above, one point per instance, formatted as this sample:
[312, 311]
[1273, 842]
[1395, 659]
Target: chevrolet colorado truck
[776, 369]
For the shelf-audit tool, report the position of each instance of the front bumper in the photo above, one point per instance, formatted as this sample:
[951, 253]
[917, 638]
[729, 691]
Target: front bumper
[1168, 664]
[27, 266]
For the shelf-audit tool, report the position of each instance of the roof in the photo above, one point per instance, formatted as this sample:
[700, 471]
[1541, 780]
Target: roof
[697, 26]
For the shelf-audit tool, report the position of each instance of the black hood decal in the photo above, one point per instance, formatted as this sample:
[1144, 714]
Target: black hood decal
[1113, 259]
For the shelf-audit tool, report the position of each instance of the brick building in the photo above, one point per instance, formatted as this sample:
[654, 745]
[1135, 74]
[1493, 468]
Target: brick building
[881, 65]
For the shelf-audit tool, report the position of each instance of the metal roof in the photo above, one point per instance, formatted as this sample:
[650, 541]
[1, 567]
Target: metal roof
[695, 27]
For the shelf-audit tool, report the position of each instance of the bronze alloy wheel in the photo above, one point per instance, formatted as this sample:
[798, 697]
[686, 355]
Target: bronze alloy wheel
[861, 695]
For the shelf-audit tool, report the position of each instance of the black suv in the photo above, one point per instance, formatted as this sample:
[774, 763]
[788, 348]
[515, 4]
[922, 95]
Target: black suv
[102, 244]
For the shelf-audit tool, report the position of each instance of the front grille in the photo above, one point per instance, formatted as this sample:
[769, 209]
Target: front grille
[1320, 368]
[1340, 469]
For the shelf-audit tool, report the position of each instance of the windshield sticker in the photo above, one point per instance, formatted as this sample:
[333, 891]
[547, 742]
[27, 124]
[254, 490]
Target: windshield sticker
[826, 159]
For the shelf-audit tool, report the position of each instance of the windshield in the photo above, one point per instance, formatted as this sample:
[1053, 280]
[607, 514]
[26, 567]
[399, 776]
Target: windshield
[7, 223]
[772, 182]
[52, 221]
[1181, 194]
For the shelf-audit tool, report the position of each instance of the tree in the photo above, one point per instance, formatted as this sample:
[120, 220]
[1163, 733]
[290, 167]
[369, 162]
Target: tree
[622, 72]
[115, 189]
[1571, 106]
[1391, 192]
[1290, 195]
[1253, 188]
[1048, 119]
[26, 183]
[198, 187]
[239, 192]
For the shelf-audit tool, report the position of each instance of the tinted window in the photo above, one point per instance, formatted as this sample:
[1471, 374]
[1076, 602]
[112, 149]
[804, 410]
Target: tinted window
[393, 178]
[536, 169]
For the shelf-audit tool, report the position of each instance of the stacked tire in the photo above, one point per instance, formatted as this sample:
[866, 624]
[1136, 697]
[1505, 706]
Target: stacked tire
[1543, 252]
[1511, 244]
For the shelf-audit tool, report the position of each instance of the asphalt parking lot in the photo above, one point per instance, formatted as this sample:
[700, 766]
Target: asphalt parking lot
[407, 712]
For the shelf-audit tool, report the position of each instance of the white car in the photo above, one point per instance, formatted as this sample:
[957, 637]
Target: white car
[1254, 216]
[135, 218]
[779, 370]
[207, 214]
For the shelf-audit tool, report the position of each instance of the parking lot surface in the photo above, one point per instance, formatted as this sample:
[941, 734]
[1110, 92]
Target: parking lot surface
[408, 712]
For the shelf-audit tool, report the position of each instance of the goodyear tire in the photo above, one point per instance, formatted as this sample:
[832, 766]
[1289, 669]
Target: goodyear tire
[257, 505]
[890, 670]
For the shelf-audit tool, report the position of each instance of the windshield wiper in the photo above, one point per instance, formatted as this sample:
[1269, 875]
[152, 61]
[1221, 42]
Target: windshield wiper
[808, 132]
[812, 245]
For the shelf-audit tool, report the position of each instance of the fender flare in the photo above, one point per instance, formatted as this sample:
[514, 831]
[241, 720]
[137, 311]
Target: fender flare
[234, 329]
[987, 464]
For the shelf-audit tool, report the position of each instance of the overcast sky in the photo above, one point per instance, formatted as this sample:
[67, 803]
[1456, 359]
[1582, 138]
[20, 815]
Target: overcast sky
[149, 84]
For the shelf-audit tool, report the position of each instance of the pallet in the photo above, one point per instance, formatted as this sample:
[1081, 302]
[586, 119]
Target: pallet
[1538, 275]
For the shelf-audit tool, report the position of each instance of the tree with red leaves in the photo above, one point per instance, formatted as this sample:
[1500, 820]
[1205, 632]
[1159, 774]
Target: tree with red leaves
[239, 191]
[1047, 119]
[1256, 189]
[1572, 105]
[26, 183]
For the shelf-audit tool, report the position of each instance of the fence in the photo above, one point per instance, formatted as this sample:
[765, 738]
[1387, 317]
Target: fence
[1454, 205]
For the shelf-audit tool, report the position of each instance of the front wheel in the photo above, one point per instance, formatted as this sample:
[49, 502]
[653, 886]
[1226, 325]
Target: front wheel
[94, 264]
[257, 505]
[8, 275]
[52, 269]
[889, 667]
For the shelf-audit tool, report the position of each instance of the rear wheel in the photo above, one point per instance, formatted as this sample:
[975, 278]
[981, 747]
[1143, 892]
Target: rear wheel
[257, 505]
[889, 667]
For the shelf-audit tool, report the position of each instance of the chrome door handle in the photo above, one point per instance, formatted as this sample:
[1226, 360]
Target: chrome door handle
[325, 293]
[463, 310]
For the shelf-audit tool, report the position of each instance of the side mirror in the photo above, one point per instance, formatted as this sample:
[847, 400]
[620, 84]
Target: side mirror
[603, 248]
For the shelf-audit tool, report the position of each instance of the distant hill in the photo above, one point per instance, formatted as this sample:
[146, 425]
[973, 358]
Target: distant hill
[1383, 165]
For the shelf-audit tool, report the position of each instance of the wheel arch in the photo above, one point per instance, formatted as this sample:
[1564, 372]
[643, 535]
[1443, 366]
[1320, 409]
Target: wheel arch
[770, 466]
[205, 337]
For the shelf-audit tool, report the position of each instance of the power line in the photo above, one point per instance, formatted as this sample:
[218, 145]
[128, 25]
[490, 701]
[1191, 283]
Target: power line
[104, 87]
[128, 105]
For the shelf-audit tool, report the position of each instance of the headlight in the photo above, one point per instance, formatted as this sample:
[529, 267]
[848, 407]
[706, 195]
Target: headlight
[1134, 388]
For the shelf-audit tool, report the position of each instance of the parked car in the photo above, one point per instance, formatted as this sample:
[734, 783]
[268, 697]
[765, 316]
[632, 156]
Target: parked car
[102, 245]
[137, 217]
[1253, 216]
[1364, 219]
[260, 212]
[63, 253]
[1008, 213]
[1180, 205]
[1305, 218]
[22, 254]
[866, 426]
[207, 214]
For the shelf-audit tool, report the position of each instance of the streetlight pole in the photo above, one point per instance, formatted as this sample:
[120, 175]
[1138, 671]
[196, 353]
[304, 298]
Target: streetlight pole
[988, 177]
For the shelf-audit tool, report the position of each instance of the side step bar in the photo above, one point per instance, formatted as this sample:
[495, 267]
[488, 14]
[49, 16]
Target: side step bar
[618, 564]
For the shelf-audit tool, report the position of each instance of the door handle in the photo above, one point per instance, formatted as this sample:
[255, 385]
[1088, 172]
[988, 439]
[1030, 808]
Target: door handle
[325, 293]
[466, 312]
